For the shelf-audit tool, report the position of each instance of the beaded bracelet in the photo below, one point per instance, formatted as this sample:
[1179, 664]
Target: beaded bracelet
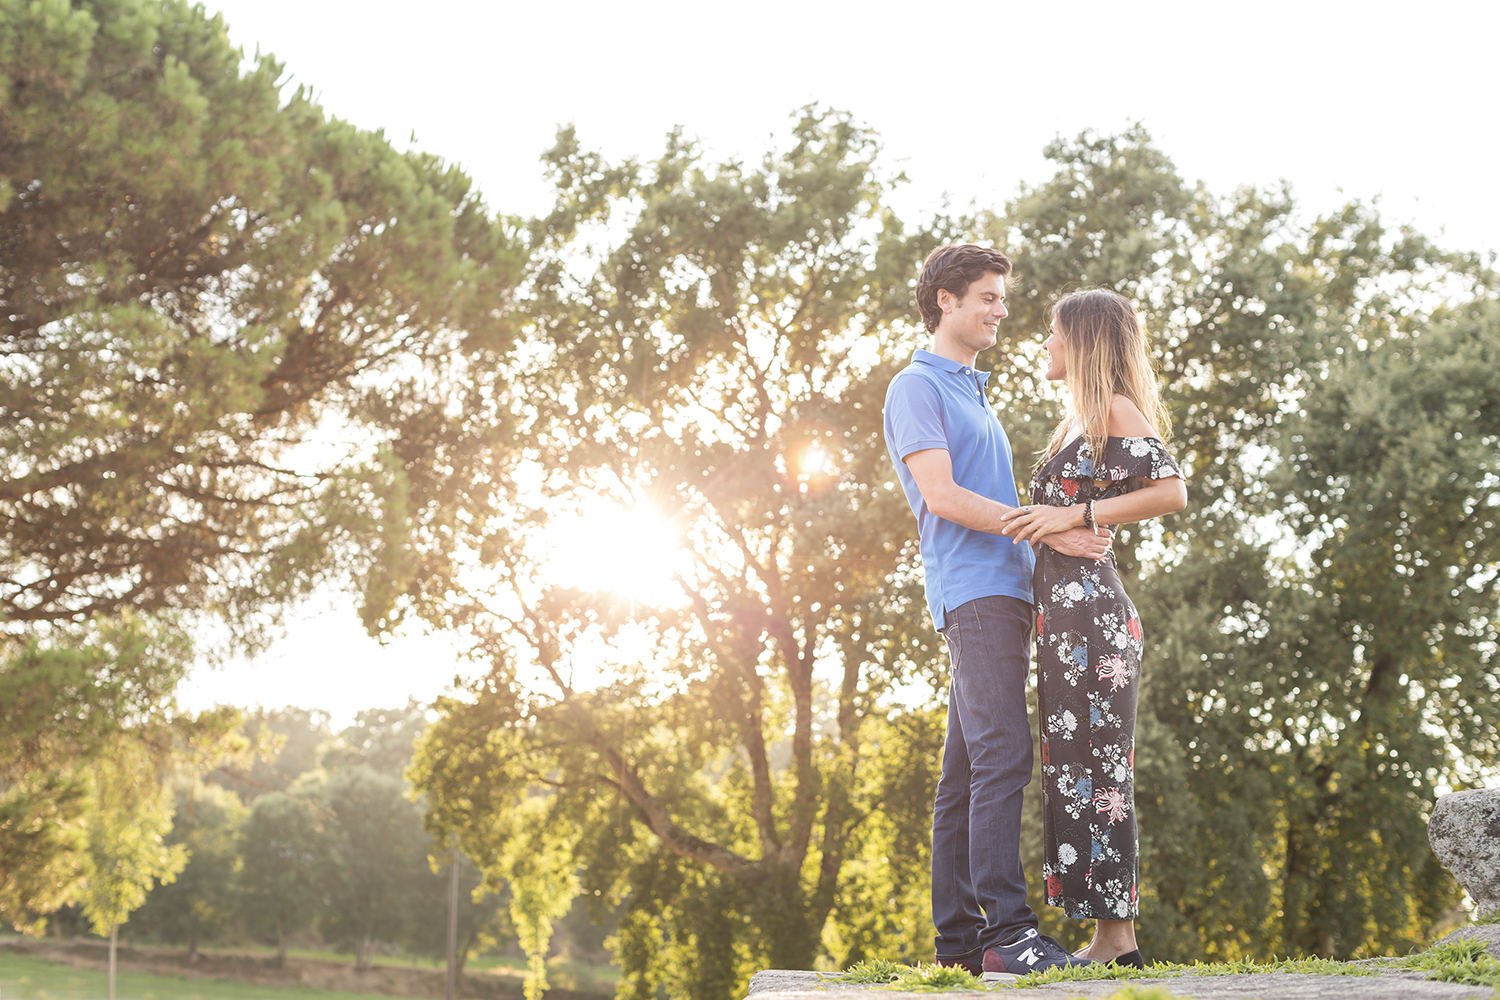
[1088, 516]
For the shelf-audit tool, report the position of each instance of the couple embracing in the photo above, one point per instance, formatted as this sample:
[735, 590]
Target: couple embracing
[995, 570]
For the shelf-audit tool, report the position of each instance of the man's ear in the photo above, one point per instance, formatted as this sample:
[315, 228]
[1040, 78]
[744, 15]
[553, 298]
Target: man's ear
[946, 300]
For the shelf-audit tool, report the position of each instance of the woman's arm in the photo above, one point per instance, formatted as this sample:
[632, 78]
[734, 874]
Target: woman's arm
[932, 468]
[1157, 497]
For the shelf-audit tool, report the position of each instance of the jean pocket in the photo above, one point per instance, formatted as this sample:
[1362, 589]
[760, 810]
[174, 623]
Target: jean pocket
[951, 635]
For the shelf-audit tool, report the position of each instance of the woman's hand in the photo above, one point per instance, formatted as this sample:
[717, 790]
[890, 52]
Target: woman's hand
[1037, 521]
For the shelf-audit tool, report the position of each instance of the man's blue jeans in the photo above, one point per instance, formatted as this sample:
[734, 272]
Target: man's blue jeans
[978, 884]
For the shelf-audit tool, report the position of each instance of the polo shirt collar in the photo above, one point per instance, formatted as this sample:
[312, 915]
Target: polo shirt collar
[943, 364]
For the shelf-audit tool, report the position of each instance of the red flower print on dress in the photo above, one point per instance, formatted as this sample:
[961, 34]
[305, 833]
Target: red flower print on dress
[1133, 626]
[1070, 486]
[1115, 670]
[1046, 754]
[1054, 887]
[1112, 802]
[1038, 623]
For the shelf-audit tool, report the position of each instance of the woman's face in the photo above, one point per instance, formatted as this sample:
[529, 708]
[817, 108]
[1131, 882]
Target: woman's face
[1057, 354]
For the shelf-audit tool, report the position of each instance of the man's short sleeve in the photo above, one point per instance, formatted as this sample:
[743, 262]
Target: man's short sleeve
[913, 415]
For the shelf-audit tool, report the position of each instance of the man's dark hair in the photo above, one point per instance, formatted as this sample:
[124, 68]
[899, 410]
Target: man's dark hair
[953, 268]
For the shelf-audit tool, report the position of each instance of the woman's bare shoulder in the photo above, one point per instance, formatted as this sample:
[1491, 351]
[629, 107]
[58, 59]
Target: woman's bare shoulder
[1127, 420]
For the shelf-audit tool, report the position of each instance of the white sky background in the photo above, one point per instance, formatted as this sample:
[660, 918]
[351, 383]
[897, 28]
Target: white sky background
[1344, 100]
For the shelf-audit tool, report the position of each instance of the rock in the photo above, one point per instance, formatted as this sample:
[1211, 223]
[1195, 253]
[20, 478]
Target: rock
[1488, 933]
[1465, 835]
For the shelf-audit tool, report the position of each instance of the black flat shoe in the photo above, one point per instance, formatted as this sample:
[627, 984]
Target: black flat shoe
[1130, 958]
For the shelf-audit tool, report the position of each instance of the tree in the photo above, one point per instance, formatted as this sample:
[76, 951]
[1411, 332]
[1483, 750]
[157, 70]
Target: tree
[380, 739]
[67, 700]
[126, 851]
[288, 742]
[483, 915]
[1285, 765]
[377, 865]
[285, 850]
[721, 360]
[198, 272]
[199, 904]
[690, 361]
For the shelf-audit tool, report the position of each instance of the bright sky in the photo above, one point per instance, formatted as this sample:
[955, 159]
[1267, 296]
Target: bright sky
[1343, 99]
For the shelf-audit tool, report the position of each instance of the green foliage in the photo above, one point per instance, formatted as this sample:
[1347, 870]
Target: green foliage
[1320, 620]
[1159, 970]
[376, 843]
[201, 271]
[200, 903]
[126, 851]
[69, 700]
[869, 971]
[287, 743]
[380, 739]
[698, 326]
[198, 271]
[721, 786]
[934, 978]
[285, 857]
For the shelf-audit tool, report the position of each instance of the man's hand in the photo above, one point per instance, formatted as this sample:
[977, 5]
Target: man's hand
[1081, 542]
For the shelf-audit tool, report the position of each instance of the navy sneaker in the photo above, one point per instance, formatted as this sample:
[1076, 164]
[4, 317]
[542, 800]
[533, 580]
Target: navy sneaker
[1031, 952]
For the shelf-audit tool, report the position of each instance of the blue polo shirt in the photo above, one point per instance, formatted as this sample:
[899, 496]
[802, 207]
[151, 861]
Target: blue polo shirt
[937, 403]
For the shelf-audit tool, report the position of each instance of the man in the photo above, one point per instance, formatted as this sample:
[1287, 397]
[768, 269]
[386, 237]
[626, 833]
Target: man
[954, 462]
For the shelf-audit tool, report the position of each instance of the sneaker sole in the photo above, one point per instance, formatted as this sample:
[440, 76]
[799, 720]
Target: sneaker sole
[999, 977]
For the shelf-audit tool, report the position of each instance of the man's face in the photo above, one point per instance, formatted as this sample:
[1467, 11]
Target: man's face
[973, 320]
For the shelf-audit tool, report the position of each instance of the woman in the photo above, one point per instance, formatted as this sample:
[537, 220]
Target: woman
[1105, 465]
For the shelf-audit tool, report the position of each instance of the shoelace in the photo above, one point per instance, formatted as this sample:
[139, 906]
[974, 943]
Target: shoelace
[1052, 948]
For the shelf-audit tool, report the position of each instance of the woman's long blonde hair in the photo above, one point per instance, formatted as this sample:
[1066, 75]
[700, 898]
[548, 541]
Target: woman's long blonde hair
[1104, 342]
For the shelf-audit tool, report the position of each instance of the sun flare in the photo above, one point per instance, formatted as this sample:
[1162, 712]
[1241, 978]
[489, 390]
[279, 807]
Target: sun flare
[606, 546]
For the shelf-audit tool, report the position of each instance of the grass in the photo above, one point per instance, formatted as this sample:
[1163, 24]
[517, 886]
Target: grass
[934, 978]
[485, 963]
[1163, 970]
[912, 978]
[26, 977]
[1464, 962]
[571, 974]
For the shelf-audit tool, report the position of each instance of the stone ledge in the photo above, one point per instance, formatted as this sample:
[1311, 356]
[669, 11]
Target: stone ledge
[786, 984]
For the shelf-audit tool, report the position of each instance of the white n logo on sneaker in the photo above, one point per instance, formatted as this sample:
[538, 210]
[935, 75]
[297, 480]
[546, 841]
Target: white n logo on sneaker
[1030, 956]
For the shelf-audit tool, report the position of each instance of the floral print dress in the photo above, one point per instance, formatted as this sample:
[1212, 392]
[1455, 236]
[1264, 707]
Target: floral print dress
[1089, 643]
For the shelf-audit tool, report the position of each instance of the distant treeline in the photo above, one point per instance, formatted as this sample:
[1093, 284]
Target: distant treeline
[315, 841]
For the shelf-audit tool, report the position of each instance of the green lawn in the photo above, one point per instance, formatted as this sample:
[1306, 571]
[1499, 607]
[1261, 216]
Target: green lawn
[24, 977]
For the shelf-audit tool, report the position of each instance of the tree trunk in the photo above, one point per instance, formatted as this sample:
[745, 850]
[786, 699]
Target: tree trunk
[280, 947]
[192, 955]
[450, 981]
[778, 904]
[362, 949]
[114, 938]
